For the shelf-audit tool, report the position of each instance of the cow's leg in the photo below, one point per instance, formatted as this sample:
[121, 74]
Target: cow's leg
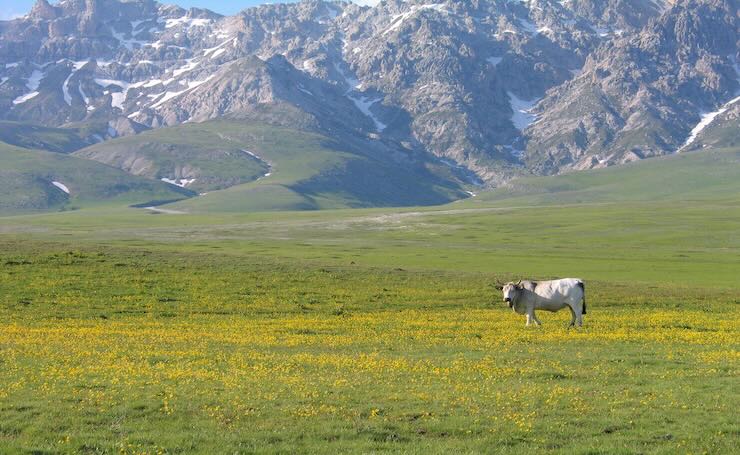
[529, 319]
[536, 321]
[572, 317]
[578, 310]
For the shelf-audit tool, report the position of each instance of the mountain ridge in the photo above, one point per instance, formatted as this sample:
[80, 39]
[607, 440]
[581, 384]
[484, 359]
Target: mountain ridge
[501, 89]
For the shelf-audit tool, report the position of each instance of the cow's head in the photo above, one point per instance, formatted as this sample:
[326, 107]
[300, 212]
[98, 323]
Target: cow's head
[511, 293]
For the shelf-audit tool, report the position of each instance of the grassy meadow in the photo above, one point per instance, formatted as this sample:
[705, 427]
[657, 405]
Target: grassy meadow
[379, 330]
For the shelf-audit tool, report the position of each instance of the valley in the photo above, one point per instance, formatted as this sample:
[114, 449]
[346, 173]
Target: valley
[380, 329]
[282, 231]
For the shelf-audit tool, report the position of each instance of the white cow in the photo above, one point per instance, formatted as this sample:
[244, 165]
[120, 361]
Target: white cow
[526, 296]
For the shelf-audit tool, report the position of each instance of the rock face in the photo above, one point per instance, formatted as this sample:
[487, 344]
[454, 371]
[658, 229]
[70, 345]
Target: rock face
[640, 96]
[499, 87]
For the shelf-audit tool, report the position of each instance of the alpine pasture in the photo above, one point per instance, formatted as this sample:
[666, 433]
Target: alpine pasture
[127, 331]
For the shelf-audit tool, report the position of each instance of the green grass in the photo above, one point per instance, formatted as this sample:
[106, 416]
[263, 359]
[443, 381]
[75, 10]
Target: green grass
[26, 183]
[378, 330]
[205, 346]
[60, 140]
[212, 154]
[308, 171]
[708, 175]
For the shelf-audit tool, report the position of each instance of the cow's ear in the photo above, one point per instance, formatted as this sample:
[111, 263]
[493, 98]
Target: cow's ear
[500, 288]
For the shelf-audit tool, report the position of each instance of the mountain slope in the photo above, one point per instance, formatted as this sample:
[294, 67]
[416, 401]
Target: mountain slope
[502, 88]
[259, 166]
[707, 175]
[640, 95]
[443, 77]
[34, 180]
[720, 128]
[60, 140]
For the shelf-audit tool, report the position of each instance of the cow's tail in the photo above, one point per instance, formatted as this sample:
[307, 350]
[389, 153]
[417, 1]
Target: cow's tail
[583, 289]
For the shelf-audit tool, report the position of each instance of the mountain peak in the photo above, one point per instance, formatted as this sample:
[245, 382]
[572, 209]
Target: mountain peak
[43, 10]
[500, 88]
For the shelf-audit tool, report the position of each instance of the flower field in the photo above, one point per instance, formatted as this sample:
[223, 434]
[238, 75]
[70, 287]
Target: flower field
[107, 349]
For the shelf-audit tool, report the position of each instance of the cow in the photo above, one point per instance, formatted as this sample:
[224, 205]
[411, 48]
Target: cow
[526, 296]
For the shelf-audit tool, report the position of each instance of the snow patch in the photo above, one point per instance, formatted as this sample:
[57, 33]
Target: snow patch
[65, 86]
[601, 31]
[128, 43]
[253, 155]
[182, 183]
[522, 116]
[363, 103]
[35, 80]
[32, 84]
[61, 186]
[85, 98]
[309, 66]
[398, 19]
[117, 98]
[218, 52]
[706, 120]
[152, 83]
[261, 160]
[189, 66]
[170, 95]
[186, 22]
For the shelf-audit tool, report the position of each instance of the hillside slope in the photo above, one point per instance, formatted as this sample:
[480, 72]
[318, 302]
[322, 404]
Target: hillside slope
[706, 175]
[247, 166]
[502, 88]
[33, 180]
[60, 140]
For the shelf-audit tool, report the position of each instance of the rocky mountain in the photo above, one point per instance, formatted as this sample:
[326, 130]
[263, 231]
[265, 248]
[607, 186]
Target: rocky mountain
[492, 89]
[641, 95]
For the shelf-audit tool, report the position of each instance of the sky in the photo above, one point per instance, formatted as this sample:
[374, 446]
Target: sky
[14, 8]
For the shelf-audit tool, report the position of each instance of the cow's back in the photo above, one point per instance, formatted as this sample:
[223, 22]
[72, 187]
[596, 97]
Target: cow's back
[565, 289]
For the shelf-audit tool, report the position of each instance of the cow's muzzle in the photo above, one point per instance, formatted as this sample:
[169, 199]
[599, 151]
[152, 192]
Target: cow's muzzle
[508, 300]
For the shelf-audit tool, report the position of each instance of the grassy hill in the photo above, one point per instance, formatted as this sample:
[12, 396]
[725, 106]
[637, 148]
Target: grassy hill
[27, 176]
[358, 331]
[208, 154]
[265, 167]
[710, 174]
[25, 135]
